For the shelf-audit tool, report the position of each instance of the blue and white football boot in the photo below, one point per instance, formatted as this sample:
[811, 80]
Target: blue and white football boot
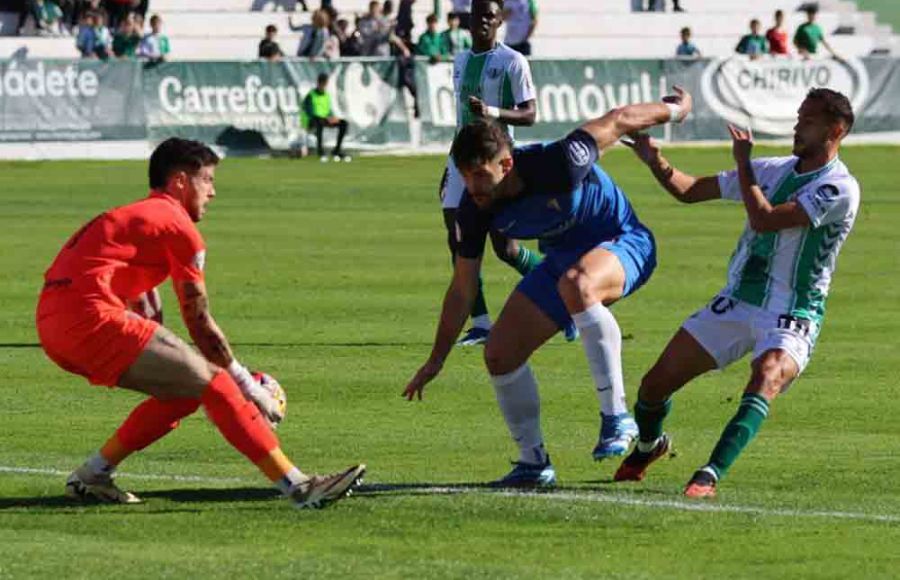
[528, 476]
[474, 336]
[616, 434]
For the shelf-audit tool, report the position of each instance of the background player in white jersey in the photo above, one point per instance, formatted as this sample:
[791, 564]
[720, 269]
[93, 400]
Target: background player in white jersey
[490, 80]
[800, 211]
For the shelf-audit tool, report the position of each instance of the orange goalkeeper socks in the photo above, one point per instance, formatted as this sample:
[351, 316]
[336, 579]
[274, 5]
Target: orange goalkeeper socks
[150, 421]
[147, 423]
[238, 419]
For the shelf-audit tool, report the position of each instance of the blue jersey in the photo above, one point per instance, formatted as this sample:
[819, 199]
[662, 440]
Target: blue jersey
[567, 199]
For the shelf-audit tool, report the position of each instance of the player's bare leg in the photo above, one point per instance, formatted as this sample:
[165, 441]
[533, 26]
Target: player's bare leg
[179, 380]
[681, 361]
[520, 330]
[771, 373]
[587, 288]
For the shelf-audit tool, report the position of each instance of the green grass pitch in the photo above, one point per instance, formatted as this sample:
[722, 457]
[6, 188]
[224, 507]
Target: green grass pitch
[330, 277]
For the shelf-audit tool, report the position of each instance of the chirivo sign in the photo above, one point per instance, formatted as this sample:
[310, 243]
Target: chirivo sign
[765, 94]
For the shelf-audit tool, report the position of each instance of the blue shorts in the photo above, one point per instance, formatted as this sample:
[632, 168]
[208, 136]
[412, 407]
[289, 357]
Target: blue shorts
[636, 250]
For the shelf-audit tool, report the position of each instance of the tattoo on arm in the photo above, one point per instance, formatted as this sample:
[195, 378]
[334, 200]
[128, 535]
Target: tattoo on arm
[207, 335]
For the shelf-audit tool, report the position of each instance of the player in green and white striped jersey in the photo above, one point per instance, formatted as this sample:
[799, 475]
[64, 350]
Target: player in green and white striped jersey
[490, 80]
[800, 211]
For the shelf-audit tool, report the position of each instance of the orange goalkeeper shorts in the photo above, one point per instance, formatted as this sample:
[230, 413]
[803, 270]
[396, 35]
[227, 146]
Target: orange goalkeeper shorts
[98, 344]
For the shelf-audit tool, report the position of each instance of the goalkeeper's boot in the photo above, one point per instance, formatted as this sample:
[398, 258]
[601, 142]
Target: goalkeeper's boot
[702, 484]
[616, 434]
[474, 336]
[320, 490]
[528, 476]
[634, 467]
[85, 486]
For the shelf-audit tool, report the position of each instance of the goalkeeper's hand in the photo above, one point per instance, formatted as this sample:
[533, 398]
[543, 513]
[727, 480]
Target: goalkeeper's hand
[250, 386]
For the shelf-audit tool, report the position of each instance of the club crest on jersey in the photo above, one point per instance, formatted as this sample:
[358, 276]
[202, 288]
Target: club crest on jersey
[554, 204]
[494, 73]
[579, 153]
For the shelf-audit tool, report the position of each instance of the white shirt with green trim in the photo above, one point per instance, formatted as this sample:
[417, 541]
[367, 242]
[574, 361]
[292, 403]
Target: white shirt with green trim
[501, 77]
[790, 271]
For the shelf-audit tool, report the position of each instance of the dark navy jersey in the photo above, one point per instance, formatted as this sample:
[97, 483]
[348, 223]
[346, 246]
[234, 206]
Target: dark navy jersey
[566, 196]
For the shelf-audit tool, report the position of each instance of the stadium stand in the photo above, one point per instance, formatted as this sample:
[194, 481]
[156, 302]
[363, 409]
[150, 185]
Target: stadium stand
[230, 29]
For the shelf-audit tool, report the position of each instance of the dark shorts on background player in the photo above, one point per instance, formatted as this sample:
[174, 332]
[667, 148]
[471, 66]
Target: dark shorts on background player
[635, 249]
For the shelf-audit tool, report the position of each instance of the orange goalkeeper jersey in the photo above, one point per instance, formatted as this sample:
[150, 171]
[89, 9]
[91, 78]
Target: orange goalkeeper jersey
[125, 252]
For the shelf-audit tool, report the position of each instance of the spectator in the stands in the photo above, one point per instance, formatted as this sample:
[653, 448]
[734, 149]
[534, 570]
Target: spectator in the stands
[317, 113]
[127, 38]
[155, 46]
[348, 40]
[809, 36]
[268, 48]
[118, 10]
[432, 43]
[521, 17]
[754, 44]
[463, 9]
[46, 14]
[655, 6]
[456, 39]
[377, 35]
[777, 36]
[687, 49]
[316, 39]
[404, 26]
[93, 39]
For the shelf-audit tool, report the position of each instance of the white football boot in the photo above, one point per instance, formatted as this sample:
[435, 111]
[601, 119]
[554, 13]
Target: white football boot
[320, 490]
[88, 487]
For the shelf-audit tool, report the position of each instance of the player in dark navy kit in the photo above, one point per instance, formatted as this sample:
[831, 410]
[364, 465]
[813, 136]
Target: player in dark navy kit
[596, 252]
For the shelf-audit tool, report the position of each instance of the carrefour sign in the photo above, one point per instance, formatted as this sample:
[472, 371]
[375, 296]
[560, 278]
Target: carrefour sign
[765, 94]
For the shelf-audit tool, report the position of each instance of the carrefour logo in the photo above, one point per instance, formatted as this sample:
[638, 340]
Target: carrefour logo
[765, 94]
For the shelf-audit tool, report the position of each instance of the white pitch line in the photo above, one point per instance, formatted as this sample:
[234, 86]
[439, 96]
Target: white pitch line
[568, 496]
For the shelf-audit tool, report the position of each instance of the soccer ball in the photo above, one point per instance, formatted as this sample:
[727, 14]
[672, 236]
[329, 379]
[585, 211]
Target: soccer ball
[274, 390]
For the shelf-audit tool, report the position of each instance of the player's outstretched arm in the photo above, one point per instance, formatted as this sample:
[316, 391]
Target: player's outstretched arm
[213, 345]
[457, 305]
[683, 187]
[762, 215]
[633, 118]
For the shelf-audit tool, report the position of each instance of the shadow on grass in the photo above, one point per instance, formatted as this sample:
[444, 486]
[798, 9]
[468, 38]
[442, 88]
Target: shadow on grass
[366, 491]
[204, 495]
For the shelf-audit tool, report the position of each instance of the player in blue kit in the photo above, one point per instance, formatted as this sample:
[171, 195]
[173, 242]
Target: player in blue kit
[596, 252]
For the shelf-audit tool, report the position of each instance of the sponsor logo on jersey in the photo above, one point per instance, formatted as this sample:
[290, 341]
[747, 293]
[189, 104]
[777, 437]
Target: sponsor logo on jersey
[823, 196]
[765, 94]
[199, 260]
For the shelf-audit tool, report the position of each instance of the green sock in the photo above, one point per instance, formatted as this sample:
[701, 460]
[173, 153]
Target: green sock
[739, 432]
[649, 417]
[526, 261]
[480, 307]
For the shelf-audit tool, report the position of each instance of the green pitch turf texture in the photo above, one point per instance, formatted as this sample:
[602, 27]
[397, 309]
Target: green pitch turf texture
[330, 277]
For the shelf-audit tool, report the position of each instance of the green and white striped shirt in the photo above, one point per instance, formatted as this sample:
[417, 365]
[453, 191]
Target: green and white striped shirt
[789, 271]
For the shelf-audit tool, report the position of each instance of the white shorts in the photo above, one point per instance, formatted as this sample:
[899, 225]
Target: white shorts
[728, 329]
[452, 186]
